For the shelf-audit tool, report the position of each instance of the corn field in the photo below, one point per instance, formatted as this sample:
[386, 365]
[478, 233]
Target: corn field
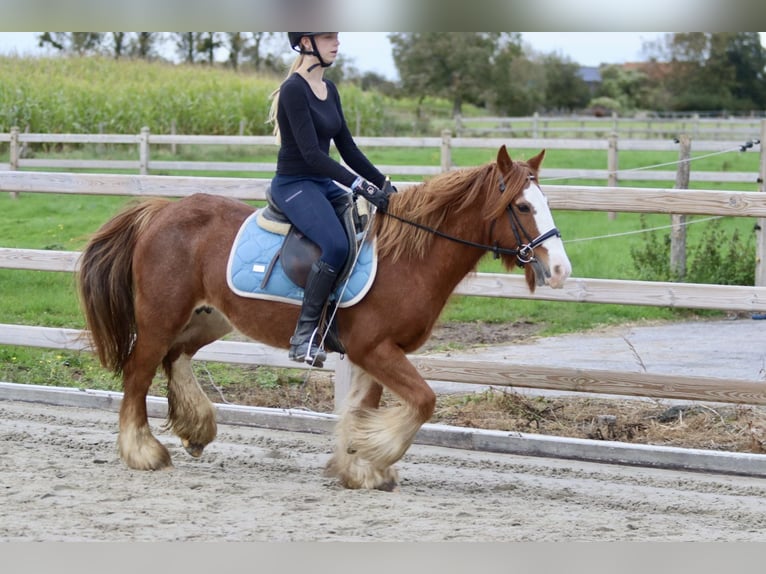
[92, 95]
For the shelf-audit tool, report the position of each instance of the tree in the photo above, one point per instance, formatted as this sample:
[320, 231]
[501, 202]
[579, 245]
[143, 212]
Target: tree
[254, 51]
[186, 45]
[119, 40]
[747, 57]
[235, 42]
[453, 65]
[207, 44]
[714, 71]
[564, 88]
[79, 43]
[519, 85]
[629, 87]
[142, 45]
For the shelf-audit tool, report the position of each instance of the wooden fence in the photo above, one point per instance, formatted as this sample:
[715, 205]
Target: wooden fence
[734, 298]
[143, 163]
[590, 127]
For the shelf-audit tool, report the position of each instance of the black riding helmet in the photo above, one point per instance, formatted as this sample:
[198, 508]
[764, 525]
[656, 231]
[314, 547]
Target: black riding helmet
[295, 41]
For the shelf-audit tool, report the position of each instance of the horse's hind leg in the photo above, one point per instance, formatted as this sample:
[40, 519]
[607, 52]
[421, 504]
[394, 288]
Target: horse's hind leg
[191, 415]
[137, 445]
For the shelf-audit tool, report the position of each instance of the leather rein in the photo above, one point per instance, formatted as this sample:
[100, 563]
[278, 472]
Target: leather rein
[524, 253]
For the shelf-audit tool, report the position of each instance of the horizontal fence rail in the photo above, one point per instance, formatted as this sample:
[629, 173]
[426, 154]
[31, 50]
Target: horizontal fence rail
[581, 126]
[498, 285]
[737, 298]
[144, 164]
[579, 198]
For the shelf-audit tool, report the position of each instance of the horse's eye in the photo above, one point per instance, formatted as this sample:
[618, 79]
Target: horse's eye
[524, 208]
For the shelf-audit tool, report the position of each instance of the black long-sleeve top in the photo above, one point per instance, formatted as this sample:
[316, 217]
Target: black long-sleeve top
[307, 125]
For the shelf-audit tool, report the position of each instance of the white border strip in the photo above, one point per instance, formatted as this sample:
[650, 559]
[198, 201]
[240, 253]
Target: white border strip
[609, 452]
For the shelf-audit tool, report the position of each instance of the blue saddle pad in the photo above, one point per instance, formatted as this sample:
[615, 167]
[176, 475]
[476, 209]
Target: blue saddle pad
[252, 252]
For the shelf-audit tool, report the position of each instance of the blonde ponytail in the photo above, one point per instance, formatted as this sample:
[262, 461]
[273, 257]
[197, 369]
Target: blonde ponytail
[275, 98]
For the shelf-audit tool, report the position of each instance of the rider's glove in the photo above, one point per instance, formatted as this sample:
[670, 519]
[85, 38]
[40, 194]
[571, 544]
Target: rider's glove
[389, 187]
[371, 193]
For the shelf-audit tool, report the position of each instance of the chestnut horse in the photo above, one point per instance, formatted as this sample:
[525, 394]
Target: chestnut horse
[146, 275]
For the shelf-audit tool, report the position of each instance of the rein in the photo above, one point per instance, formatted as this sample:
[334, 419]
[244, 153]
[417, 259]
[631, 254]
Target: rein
[524, 253]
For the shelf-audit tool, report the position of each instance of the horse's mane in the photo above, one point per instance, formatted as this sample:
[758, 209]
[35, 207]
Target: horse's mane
[430, 202]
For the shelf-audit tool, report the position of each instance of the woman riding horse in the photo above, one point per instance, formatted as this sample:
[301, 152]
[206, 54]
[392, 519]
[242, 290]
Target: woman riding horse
[308, 114]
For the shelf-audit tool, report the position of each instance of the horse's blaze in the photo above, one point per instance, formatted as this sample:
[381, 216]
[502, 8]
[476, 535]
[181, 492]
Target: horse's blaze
[559, 265]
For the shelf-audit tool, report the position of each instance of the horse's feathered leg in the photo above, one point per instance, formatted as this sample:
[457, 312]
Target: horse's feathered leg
[354, 471]
[190, 413]
[369, 440]
[137, 445]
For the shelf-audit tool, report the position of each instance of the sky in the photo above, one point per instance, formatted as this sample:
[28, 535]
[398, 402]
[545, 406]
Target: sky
[371, 51]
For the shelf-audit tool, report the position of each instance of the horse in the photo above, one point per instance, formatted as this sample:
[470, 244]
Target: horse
[153, 289]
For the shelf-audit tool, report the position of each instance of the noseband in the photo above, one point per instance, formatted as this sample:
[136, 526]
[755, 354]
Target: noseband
[524, 253]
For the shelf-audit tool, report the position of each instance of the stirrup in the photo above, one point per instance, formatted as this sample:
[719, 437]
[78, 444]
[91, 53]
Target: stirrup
[302, 352]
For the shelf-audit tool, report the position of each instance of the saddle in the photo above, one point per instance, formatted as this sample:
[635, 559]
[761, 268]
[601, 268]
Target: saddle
[298, 253]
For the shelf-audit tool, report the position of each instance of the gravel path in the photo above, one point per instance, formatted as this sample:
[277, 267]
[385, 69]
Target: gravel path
[61, 480]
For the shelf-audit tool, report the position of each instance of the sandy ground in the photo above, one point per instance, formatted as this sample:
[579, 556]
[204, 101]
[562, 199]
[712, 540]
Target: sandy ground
[61, 480]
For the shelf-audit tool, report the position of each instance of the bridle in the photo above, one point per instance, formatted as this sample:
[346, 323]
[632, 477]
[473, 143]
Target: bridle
[524, 253]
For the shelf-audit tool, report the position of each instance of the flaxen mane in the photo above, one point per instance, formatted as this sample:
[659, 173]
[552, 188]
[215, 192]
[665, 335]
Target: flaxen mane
[429, 203]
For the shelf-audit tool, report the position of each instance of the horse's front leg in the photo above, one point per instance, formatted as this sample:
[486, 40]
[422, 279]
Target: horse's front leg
[369, 440]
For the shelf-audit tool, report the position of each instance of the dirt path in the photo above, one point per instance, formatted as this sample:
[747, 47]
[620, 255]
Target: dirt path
[60, 479]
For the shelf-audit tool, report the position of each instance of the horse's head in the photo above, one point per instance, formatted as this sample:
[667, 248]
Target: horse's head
[527, 224]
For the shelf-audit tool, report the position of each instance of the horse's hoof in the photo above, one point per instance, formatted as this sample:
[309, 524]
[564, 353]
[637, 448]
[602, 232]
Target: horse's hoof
[193, 449]
[388, 486]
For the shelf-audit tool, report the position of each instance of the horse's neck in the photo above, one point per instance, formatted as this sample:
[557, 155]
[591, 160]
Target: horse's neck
[448, 262]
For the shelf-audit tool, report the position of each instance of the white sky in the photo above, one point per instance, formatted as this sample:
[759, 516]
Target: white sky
[371, 51]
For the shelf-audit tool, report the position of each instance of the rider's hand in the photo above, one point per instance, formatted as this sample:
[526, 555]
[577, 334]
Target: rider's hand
[371, 193]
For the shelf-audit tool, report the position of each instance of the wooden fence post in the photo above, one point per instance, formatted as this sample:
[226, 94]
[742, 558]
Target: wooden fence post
[173, 146]
[14, 155]
[143, 151]
[760, 236]
[612, 165]
[342, 381]
[446, 153]
[678, 221]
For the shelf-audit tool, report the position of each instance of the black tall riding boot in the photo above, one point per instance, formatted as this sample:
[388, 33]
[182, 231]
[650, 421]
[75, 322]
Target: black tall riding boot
[304, 344]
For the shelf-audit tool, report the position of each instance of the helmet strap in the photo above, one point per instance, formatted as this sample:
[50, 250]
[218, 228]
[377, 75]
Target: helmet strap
[315, 52]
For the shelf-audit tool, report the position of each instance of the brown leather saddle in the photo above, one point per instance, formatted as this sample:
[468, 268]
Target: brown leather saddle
[298, 252]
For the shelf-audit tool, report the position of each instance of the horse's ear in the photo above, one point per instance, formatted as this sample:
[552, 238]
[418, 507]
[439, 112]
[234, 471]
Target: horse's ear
[535, 162]
[504, 161]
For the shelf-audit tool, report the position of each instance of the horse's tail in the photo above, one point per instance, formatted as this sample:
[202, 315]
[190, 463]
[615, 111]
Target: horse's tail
[105, 283]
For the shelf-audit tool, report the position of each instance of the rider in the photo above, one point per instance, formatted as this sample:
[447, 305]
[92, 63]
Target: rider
[307, 114]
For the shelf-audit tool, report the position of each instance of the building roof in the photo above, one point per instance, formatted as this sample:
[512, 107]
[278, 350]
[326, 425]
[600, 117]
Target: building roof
[590, 74]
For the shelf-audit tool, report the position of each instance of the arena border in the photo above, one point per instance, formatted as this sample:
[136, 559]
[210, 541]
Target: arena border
[514, 443]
